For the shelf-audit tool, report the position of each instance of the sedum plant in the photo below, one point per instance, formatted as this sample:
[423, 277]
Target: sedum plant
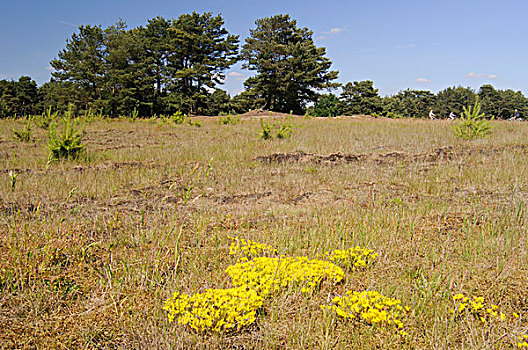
[247, 249]
[472, 123]
[66, 144]
[272, 275]
[352, 258]
[370, 307]
[215, 309]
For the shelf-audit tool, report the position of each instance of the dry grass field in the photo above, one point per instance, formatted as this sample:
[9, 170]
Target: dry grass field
[90, 250]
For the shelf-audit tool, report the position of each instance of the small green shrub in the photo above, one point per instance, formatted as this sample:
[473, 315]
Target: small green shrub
[472, 123]
[178, 117]
[285, 128]
[68, 143]
[229, 119]
[90, 116]
[134, 115]
[24, 134]
[388, 114]
[45, 119]
[13, 179]
[194, 122]
[266, 129]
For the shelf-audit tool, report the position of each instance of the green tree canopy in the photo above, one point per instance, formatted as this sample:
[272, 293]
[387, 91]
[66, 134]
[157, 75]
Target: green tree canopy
[327, 106]
[360, 97]
[410, 103]
[82, 64]
[453, 99]
[18, 97]
[165, 66]
[290, 68]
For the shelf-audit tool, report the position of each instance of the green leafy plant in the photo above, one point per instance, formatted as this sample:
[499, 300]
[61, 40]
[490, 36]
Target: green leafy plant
[68, 143]
[135, 115]
[13, 179]
[229, 119]
[285, 128]
[178, 117]
[193, 122]
[472, 123]
[45, 119]
[266, 129]
[24, 134]
[90, 116]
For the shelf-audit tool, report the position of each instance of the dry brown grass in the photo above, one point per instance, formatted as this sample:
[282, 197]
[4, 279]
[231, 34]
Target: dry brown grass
[89, 251]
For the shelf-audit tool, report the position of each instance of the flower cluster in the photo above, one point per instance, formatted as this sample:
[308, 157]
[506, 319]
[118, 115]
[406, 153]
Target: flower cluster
[247, 249]
[268, 275]
[475, 306]
[370, 307]
[523, 341]
[215, 309]
[352, 258]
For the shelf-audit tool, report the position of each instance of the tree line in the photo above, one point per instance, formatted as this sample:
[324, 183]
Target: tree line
[178, 64]
[360, 97]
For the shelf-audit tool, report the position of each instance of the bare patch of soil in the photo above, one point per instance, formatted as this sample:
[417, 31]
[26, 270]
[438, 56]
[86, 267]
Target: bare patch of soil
[443, 153]
[243, 198]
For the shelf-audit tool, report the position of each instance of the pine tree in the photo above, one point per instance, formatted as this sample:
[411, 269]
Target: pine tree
[290, 68]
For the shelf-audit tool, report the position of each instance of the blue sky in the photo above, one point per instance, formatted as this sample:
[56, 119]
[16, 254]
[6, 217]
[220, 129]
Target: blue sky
[398, 44]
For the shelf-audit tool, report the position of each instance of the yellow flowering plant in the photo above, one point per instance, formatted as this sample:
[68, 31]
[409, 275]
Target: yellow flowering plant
[215, 309]
[475, 306]
[268, 275]
[247, 249]
[352, 258]
[523, 341]
[370, 307]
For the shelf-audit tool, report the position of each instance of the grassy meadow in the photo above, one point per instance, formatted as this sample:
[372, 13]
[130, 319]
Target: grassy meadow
[90, 250]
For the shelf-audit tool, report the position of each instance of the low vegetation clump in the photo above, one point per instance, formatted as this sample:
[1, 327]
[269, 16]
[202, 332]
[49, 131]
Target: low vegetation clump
[271, 275]
[352, 258]
[229, 120]
[215, 309]
[266, 129]
[178, 118]
[369, 307]
[472, 123]
[24, 134]
[45, 119]
[474, 306]
[523, 341]
[68, 143]
[285, 128]
[247, 249]
[282, 129]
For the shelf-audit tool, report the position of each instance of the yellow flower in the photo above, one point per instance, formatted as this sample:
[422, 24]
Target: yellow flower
[352, 257]
[215, 309]
[370, 307]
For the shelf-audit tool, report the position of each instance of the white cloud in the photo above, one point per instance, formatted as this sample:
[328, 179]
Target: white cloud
[334, 31]
[481, 75]
[50, 68]
[406, 46]
[423, 80]
[236, 75]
